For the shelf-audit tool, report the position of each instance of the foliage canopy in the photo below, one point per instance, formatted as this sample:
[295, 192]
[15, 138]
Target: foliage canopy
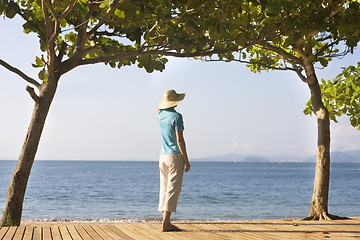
[341, 95]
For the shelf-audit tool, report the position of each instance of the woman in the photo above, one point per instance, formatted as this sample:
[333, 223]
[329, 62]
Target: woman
[173, 156]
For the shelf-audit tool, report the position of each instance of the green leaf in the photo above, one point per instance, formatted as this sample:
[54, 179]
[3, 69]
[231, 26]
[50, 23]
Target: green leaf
[333, 91]
[120, 14]
[43, 76]
[244, 20]
[11, 9]
[63, 23]
[112, 64]
[353, 122]
[106, 3]
[39, 62]
[324, 62]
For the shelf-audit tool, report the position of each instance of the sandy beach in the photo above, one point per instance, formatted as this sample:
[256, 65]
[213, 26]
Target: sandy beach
[269, 229]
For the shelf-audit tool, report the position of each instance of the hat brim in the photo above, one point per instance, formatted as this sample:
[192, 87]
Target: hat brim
[164, 104]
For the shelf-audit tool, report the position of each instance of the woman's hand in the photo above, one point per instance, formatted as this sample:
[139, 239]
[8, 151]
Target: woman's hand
[187, 166]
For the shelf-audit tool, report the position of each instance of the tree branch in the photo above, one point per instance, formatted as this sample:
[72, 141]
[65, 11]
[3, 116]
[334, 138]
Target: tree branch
[105, 17]
[168, 52]
[20, 73]
[308, 66]
[307, 36]
[108, 34]
[72, 63]
[52, 10]
[48, 26]
[91, 50]
[62, 51]
[301, 76]
[338, 8]
[67, 10]
[286, 68]
[322, 50]
[32, 94]
[82, 35]
[281, 52]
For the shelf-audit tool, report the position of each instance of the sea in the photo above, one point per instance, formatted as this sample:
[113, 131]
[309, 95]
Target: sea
[212, 191]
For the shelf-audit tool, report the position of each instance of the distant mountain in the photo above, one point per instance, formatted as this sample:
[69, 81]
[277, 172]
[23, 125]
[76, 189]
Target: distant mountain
[230, 157]
[233, 157]
[341, 157]
[354, 153]
[336, 156]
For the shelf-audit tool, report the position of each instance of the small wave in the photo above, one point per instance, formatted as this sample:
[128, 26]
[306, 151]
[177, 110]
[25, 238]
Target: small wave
[122, 220]
[103, 220]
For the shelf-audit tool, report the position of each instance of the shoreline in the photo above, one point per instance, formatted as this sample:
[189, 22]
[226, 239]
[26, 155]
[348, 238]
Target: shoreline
[178, 221]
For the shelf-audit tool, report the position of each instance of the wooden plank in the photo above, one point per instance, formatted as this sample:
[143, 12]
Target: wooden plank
[84, 235]
[108, 231]
[28, 233]
[214, 229]
[19, 232]
[3, 231]
[46, 233]
[10, 233]
[190, 226]
[55, 233]
[196, 235]
[202, 231]
[155, 230]
[156, 233]
[120, 232]
[101, 232]
[37, 233]
[254, 236]
[228, 227]
[73, 232]
[126, 227]
[227, 235]
[92, 232]
[139, 233]
[64, 233]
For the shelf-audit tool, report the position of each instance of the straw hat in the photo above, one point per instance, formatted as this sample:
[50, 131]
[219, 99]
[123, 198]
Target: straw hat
[171, 99]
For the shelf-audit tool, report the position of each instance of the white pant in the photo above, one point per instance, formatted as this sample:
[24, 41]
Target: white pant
[171, 176]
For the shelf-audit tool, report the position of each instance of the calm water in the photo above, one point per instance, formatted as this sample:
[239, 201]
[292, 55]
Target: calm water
[211, 190]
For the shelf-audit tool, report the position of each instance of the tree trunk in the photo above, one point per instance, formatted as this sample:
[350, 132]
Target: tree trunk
[319, 203]
[16, 191]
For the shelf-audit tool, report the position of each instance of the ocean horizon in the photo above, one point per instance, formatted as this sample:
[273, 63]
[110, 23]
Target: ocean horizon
[212, 191]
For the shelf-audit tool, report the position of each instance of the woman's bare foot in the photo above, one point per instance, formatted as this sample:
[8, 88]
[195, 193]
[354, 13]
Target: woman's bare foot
[170, 228]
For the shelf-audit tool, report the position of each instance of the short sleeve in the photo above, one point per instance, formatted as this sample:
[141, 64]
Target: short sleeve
[179, 123]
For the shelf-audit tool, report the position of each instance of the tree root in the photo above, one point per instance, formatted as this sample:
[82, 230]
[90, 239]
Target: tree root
[323, 216]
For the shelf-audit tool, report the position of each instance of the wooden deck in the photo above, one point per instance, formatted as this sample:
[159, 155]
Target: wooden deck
[339, 229]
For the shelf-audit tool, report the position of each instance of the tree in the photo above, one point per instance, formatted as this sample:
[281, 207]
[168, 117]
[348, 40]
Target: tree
[309, 35]
[342, 95]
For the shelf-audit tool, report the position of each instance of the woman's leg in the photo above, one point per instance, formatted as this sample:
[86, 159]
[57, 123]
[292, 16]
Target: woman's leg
[171, 174]
[175, 177]
[163, 183]
[166, 224]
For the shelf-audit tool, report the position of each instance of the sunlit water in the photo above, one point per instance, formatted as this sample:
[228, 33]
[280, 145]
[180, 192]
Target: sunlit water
[120, 190]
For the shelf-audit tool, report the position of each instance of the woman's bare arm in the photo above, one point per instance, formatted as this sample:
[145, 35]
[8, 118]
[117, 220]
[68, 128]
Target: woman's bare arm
[182, 146]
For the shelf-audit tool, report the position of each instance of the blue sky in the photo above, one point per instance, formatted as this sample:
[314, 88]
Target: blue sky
[100, 113]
